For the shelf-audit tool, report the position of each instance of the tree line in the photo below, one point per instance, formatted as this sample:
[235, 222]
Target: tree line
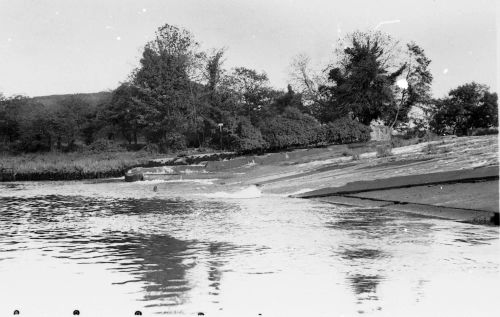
[181, 96]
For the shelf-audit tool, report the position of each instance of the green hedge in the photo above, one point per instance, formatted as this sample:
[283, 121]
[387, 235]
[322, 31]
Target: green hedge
[484, 131]
[345, 130]
[283, 132]
[247, 138]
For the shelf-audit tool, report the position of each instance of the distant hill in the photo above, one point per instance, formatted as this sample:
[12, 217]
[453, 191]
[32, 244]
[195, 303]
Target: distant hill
[94, 99]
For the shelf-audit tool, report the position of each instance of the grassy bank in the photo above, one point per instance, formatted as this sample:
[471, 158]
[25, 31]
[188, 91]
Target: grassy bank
[91, 165]
[69, 166]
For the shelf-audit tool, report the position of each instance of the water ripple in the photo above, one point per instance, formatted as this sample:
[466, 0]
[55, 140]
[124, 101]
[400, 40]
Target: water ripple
[178, 255]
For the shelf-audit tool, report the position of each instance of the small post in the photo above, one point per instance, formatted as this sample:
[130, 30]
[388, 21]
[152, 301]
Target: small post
[220, 133]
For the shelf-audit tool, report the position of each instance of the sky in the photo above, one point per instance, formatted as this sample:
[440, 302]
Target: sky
[76, 46]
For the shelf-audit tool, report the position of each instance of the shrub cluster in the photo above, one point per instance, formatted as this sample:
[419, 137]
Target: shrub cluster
[289, 130]
[484, 131]
[173, 142]
[344, 131]
[284, 132]
[247, 138]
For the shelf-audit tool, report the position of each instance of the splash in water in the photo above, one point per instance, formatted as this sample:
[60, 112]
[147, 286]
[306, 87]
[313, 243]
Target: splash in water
[249, 192]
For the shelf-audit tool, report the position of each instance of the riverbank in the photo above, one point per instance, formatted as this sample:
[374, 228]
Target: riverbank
[457, 179]
[391, 179]
[88, 165]
[452, 178]
[68, 166]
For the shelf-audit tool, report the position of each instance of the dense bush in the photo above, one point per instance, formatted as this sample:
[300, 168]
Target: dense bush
[173, 142]
[30, 145]
[247, 138]
[345, 130]
[484, 131]
[296, 129]
[290, 130]
[467, 107]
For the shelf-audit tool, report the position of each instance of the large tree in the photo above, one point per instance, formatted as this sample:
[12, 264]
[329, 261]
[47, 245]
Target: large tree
[11, 111]
[165, 78]
[362, 81]
[214, 71]
[417, 94]
[466, 107]
[68, 119]
[26, 123]
[128, 111]
[252, 91]
[307, 82]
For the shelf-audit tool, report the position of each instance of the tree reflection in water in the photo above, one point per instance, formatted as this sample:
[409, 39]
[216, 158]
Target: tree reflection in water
[374, 229]
[215, 264]
[158, 260]
[183, 257]
[365, 285]
[154, 257]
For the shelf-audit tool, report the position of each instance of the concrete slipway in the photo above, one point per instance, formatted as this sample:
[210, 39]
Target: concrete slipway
[463, 195]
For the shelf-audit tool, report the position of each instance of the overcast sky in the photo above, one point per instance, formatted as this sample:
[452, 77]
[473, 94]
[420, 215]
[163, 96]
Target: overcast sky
[70, 46]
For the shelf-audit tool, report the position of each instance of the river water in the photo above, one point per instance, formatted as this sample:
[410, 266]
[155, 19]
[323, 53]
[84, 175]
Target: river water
[112, 248]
